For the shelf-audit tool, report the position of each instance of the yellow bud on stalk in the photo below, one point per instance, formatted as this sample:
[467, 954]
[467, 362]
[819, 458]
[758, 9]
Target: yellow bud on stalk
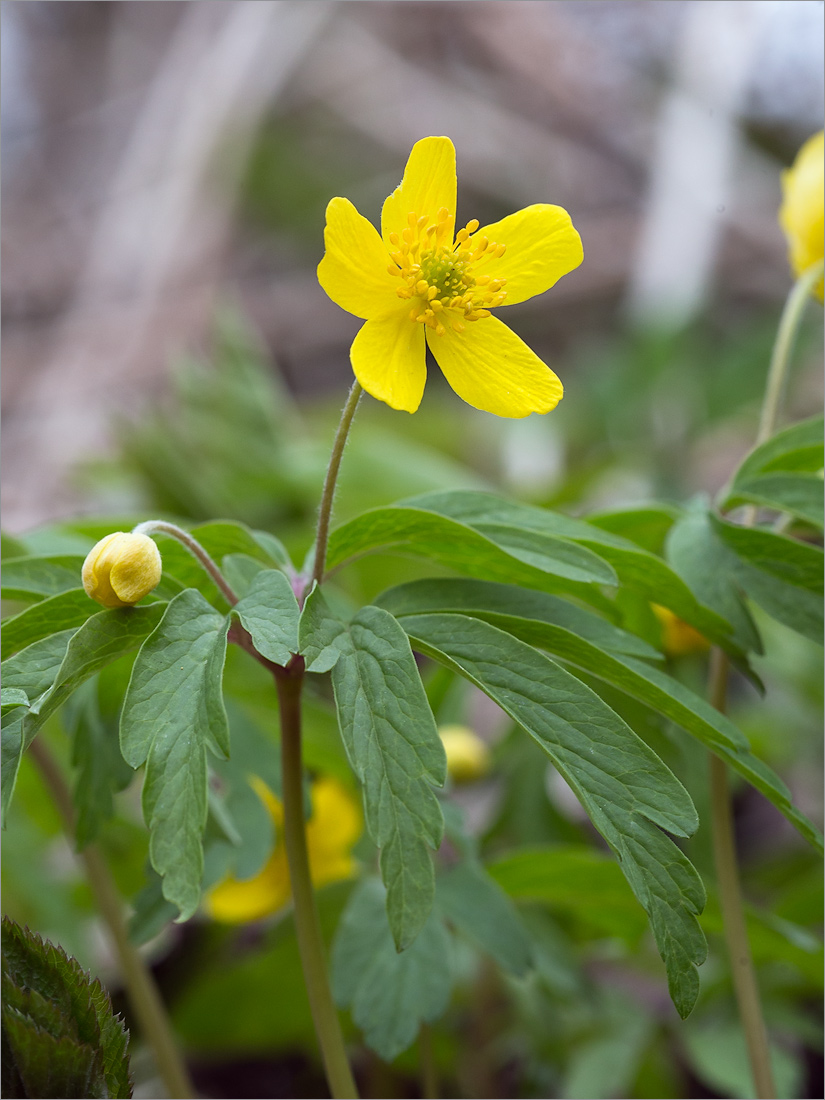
[121, 569]
[468, 757]
[803, 204]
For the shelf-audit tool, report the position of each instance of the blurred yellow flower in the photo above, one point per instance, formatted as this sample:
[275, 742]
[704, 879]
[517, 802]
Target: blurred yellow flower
[678, 638]
[802, 212]
[419, 284]
[121, 569]
[332, 830]
[468, 757]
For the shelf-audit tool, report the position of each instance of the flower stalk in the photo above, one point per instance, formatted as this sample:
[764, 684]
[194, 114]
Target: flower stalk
[160, 527]
[743, 973]
[328, 495]
[144, 996]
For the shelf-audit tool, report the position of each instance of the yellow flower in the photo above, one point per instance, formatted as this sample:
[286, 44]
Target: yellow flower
[332, 830]
[121, 569]
[802, 212]
[468, 757]
[419, 284]
[678, 637]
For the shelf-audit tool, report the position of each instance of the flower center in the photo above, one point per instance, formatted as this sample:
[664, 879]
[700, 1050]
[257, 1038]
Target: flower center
[437, 274]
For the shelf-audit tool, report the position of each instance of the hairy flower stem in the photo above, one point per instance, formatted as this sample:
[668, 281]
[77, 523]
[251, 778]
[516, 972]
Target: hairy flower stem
[308, 928]
[159, 527]
[724, 847]
[144, 996]
[325, 509]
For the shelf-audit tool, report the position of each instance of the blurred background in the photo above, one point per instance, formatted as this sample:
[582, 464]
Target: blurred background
[166, 162]
[168, 351]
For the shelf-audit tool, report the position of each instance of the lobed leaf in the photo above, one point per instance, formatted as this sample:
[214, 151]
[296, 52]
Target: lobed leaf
[392, 744]
[270, 612]
[173, 712]
[39, 577]
[50, 616]
[623, 785]
[390, 994]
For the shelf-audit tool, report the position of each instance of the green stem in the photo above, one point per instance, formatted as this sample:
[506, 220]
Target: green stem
[426, 1058]
[325, 509]
[724, 847]
[160, 527]
[730, 901]
[144, 996]
[307, 924]
[783, 345]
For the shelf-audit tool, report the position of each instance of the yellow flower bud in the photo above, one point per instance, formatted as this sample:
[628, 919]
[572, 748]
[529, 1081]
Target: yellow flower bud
[803, 203]
[468, 757]
[678, 637]
[121, 569]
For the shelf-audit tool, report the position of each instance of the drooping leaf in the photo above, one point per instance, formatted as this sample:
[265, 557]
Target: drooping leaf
[60, 1035]
[270, 613]
[635, 568]
[392, 744]
[548, 564]
[173, 712]
[473, 902]
[623, 785]
[101, 770]
[29, 672]
[457, 594]
[699, 556]
[49, 616]
[390, 994]
[782, 575]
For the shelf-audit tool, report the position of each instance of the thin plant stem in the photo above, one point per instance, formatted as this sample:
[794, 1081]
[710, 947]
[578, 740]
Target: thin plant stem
[783, 345]
[160, 527]
[325, 508]
[307, 924]
[745, 985]
[743, 973]
[426, 1059]
[144, 996]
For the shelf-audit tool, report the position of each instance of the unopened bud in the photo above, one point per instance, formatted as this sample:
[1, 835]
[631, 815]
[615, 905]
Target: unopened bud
[121, 569]
[468, 757]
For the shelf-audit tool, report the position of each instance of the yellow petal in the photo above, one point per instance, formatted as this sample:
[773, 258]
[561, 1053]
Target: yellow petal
[334, 827]
[353, 271]
[492, 369]
[803, 207]
[389, 359]
[235, 901]
[541, 246]
[121, 569]
[429, 184]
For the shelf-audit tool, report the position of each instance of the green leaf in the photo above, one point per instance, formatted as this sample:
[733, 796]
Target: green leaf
[270, 612]
[13, 697]
[551, 563]
[699, 556]
[647, 526]
[799, 494]
[635, 568]
[623, 785]
[101, 640]
[392, 744]
[50, 616]
[576, 881]
[780, 574]
[389, 994]
[60, 1036]
[172, 712]
[798, 448]
[472, 901]
[226, 537]
[42, 576]
[29, 673]
[101, 770]
[510, 600]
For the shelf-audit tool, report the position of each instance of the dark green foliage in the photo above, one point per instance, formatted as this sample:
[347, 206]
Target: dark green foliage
[60, 1036]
